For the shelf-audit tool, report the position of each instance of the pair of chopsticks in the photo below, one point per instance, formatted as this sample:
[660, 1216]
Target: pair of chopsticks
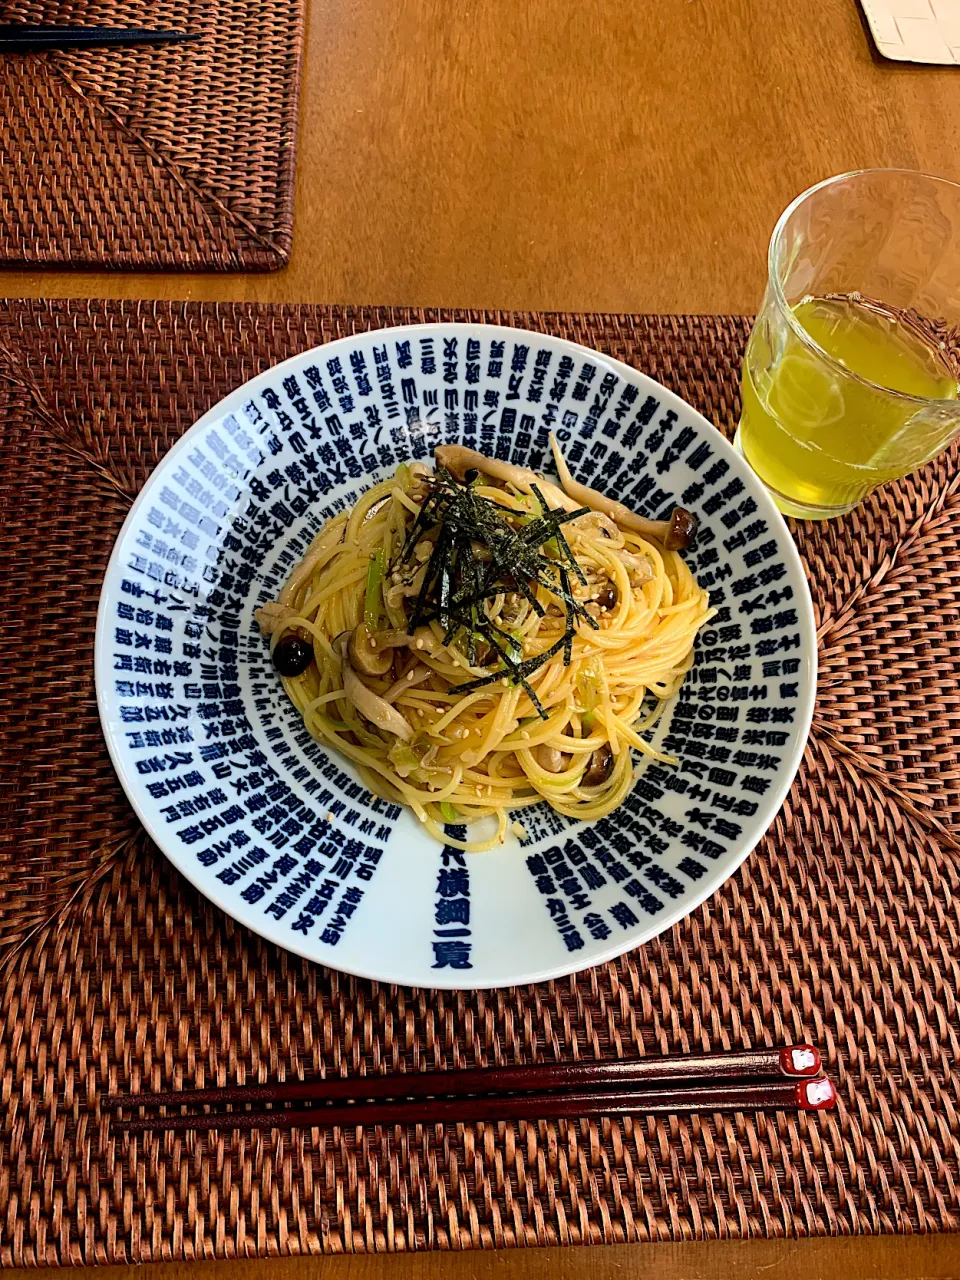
[764, 1079]
[19, 37]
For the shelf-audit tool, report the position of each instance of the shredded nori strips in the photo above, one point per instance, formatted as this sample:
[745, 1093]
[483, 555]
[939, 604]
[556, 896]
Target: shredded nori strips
[456, 583]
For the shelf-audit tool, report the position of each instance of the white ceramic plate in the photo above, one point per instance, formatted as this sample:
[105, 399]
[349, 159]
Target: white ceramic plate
[282, 836]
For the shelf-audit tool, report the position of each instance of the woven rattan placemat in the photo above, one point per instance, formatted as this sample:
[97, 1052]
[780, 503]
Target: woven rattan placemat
[842, 927]
[176, 156]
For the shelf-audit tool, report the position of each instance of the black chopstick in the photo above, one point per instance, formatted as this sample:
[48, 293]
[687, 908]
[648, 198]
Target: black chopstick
[778, 1095]
[793, 1061]
[17, 37]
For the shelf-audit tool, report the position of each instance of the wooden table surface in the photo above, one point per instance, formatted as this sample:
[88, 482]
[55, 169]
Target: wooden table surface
[614, 155]
[873, 1258]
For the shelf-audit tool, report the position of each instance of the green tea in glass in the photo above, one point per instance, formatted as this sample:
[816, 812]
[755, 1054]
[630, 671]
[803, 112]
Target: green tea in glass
[850, 377]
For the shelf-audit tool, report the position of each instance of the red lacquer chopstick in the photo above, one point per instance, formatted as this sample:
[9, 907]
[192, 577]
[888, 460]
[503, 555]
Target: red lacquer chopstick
[793, 1061]
[787, 1095]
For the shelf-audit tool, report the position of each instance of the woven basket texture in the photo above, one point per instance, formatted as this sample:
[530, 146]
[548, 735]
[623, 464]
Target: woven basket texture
[155, 156]
[842, 927]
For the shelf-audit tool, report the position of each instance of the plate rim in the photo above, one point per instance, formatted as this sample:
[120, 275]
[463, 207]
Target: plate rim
[639, 937]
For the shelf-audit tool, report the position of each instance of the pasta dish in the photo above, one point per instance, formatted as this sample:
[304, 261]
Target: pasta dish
[477, 639]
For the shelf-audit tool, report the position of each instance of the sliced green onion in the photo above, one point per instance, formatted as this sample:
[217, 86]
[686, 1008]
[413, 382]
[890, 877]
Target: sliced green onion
[373, 597]
[589, 684]
[588, 720]
[449, 812]
[404, 758]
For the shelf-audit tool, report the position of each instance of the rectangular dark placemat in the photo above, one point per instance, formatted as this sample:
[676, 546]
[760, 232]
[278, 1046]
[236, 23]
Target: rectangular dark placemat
[842, 928]
[173, 156]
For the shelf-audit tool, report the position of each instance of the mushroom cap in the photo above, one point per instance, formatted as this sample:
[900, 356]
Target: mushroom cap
[600, 768]
[365, 655]
[682, 527]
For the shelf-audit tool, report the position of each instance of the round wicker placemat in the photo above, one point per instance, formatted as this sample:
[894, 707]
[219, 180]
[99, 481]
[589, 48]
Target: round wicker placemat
[842, 928]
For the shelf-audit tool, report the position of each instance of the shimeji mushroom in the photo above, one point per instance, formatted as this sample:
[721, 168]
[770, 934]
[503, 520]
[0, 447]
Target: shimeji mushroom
[675, 533]
[365, 654]
[600, 767]
[370, 705]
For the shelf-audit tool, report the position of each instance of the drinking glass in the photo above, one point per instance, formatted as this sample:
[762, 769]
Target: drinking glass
[850, 377]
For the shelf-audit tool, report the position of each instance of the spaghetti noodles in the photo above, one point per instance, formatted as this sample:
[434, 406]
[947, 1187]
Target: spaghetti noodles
[475, 640]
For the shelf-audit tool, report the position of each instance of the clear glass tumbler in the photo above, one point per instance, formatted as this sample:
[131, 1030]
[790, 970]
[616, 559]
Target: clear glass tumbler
[850, 376]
